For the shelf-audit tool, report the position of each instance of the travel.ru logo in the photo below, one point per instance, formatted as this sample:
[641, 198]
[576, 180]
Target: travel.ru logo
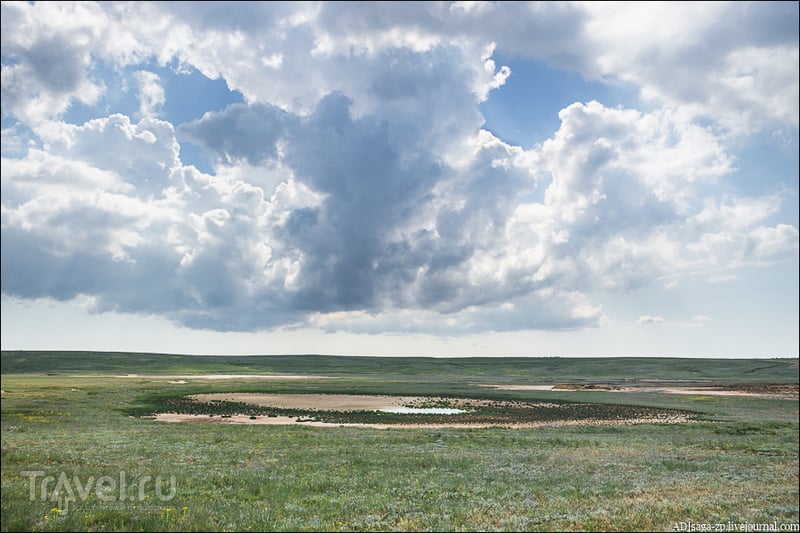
[107, 489]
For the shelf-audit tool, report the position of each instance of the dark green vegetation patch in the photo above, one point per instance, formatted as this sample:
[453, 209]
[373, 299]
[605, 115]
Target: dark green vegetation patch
[497, 412]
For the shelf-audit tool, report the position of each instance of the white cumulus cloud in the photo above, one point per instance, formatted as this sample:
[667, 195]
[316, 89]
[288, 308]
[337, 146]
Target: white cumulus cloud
[650, 319]
[356, 187]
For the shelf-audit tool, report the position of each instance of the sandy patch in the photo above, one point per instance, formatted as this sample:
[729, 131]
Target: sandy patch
[518, 387]
[707, 392]
[219, 376]
[351, 402]
[238, 419]
[291, 421]
[788, 391]
[348, 402]
[330, 402]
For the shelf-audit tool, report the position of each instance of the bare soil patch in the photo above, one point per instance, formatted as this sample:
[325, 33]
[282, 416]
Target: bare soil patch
[342, 402]
[349, 410]
[789, 391]
[220, 376]
[330, 402]
[292, 421]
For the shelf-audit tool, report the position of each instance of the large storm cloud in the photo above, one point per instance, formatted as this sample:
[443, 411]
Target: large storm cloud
[355, 188]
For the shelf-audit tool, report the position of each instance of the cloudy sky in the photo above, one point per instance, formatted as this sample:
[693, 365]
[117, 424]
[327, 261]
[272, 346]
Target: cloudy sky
[458, 178]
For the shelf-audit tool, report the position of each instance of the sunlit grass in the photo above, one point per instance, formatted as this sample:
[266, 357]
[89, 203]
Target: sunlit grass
[739, 465]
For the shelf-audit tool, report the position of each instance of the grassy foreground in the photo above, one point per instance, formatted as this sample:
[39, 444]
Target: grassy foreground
[66, 413]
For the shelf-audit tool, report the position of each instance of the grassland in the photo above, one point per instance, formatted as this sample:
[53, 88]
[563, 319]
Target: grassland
[66, 412]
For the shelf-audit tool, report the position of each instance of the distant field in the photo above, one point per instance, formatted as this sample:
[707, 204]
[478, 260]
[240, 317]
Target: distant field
[69, 417]
[538, 369]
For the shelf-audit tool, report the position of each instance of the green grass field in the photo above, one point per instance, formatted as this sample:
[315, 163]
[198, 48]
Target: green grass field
[66, 413]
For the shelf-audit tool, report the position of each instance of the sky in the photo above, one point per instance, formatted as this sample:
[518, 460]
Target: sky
[434, 178]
